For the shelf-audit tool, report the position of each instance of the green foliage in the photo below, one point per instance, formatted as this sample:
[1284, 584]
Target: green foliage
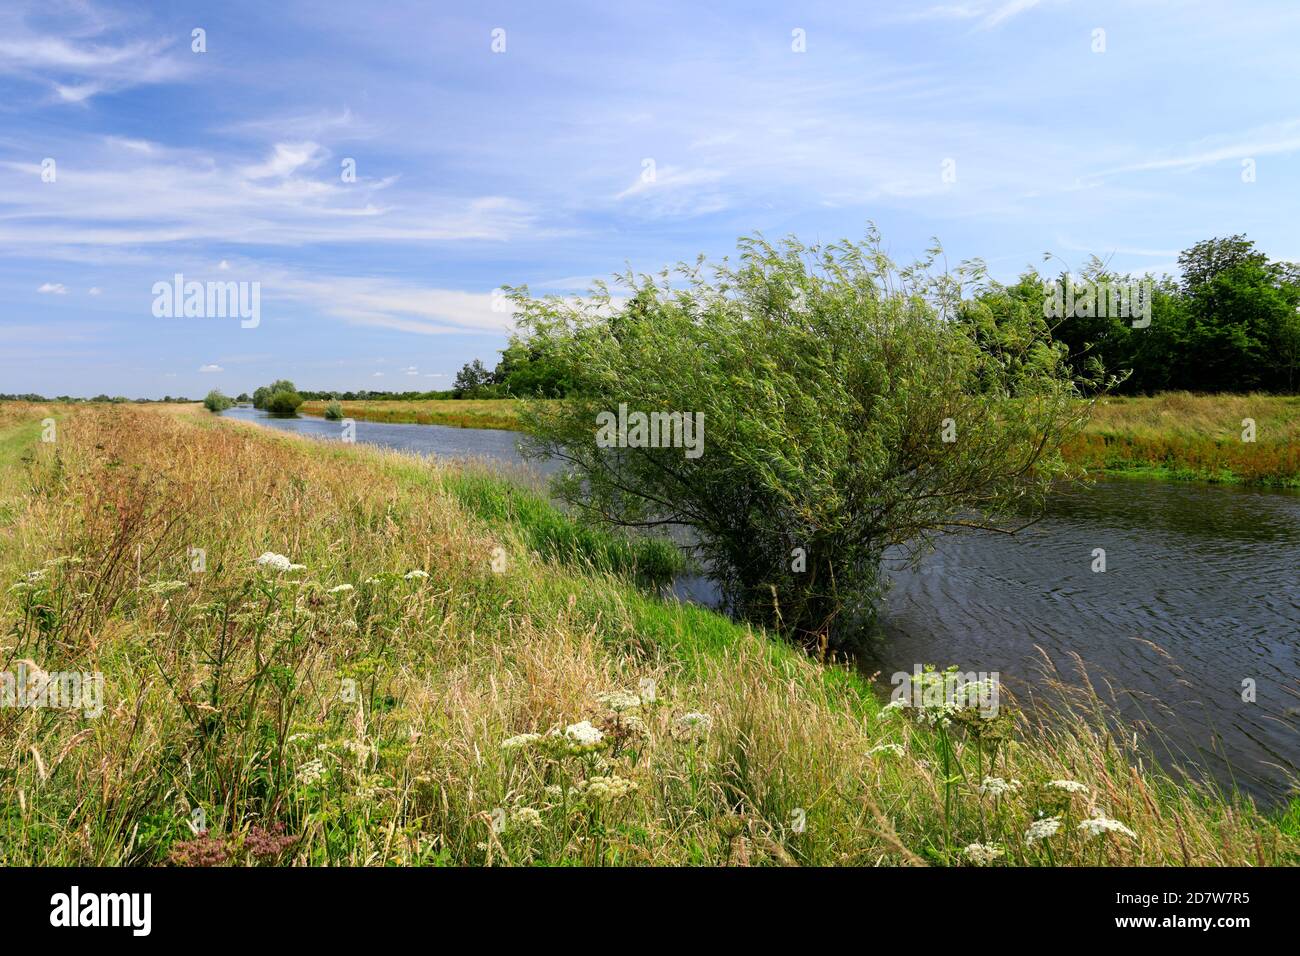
[216, 402]
[283, 402]
[262, 395]
[526, 371]
[473, 381]
[827, 379]
[1230, 324]
[334, 411]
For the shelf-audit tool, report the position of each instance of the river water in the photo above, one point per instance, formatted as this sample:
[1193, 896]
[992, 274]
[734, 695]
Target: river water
[1199, 605]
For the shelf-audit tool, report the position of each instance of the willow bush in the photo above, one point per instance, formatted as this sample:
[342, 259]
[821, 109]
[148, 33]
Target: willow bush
[849, 406]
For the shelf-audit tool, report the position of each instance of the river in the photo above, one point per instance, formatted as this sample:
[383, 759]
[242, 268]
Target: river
[1199, 604]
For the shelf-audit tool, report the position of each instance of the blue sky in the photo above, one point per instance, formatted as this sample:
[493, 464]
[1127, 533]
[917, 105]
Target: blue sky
[477, 169]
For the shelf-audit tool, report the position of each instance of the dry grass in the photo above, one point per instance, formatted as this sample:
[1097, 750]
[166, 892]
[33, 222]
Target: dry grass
[1180, 435]
[460, 413]
[367, 725]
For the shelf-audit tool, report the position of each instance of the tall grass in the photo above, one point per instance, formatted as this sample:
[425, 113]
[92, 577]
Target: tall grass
[1195, 437]
[458, 413]
[351, 712]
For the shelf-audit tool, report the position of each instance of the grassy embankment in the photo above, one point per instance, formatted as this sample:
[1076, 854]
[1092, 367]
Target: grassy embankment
[1173, 436]
[459, 413]
[350, 712]
[1178, 435]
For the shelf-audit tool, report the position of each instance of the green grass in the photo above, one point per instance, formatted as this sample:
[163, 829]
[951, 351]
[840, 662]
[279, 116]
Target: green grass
[353, 712]
[1177, 436]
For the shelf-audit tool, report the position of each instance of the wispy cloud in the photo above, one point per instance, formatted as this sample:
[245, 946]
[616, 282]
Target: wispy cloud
[76, 70]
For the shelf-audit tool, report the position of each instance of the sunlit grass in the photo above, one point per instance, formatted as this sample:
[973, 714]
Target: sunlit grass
[1196, 437]
[461, 413]
[353, 711]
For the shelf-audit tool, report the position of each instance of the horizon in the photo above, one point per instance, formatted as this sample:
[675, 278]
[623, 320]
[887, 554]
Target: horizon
[404, 174]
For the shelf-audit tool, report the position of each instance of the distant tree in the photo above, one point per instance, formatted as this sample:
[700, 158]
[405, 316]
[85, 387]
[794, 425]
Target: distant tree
[1205, 260]
[262, 396]
[216, 402]
[284, 401]
[473, 380]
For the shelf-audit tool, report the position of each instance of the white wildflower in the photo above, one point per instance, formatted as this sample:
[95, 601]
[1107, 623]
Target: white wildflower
[1042, 829]
[619, 701]
[694, 724]
[340, 589]
[276, 561]
[417, 574]
[996, 786]
[519, 740]
[605, 788]
[892, 707]
[583, 735]
[1100, 824]
[982, 853]
[525, 817]
[1069, 786]
[311, 772]
[895, 749]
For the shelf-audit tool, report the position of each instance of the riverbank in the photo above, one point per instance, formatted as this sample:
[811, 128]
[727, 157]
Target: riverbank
[1173, 436]
[1180, 436]
[377, 705]
[458, 413]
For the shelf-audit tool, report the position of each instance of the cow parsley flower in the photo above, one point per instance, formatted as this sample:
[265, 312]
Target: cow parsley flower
[525, 817]
[1069, 786]
[619, 700]
[583, 735]
[311, 772]
[1100, 824]
[417, 574]
[276, 562]
[694, 725]
[895, 749]
[519, 741]
[996, 786]
[340, 589]
[983, 853]
[893, 707]
[1042, 829]
[605, 788]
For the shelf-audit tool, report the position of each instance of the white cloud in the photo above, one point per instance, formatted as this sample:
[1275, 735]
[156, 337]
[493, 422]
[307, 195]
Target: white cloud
[78, 69]
[53, 288]
[94, 290]
[286, 159]
[117, 197]
[211, 368]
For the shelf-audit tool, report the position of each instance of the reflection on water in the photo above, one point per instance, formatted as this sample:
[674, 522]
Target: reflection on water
[1200, 594]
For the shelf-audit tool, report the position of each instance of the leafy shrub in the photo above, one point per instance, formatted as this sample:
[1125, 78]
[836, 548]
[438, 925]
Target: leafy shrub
[216, 402]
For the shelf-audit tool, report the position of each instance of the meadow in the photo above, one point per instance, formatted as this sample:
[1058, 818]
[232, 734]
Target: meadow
[457, 413]
[331, 654]
[1178, 435]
